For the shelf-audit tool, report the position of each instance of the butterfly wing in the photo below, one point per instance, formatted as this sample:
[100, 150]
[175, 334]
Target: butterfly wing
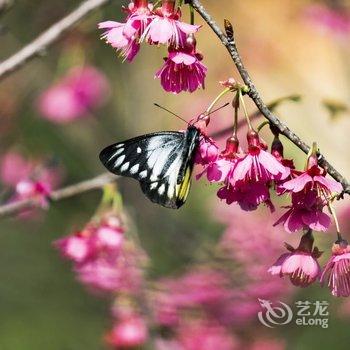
[162, 162]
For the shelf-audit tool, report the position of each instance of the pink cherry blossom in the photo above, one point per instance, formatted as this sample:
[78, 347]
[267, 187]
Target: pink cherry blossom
[125, 37]
[296, 219]
[29, 178]
[302, 268]
[106, 275]
[75, 247]
[300, 264]
[182, 70]
[95, 240]
[116, 37]
[259, 165]
[109, 238]
[310, 191]
[220, 167]
[248, 195]
[313, 178]
[305, 212]
[74, 95]
[111, 270]
[207, 152]
[336, 273]
[128, 333]
[103, 260]
[27, 189]
[220, 170]
[165, 27]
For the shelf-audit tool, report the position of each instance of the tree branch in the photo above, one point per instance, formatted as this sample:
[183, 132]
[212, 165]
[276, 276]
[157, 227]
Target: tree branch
[66, 192]
[48, 37]
[272, 105]
[253, 93]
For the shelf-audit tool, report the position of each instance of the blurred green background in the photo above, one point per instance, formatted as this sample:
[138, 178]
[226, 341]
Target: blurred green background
[41, 305]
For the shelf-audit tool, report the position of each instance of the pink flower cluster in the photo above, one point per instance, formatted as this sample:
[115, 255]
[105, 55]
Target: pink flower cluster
[26, 179]
[103, 260]
[74, 95]
[182, 70]
[303, 269]
[248, 176]
[310, 190]
[107, 261]
[208, 307]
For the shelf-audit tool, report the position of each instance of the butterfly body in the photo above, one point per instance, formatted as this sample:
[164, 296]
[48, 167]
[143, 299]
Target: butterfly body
[162, 162]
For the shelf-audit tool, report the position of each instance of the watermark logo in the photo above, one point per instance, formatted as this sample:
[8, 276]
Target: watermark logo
[273, 315]
[307, 313]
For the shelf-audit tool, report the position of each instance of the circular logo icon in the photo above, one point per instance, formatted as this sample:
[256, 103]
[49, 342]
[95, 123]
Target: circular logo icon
[274, 315]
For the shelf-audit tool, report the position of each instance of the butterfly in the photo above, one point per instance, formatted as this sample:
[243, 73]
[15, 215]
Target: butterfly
[162, 162]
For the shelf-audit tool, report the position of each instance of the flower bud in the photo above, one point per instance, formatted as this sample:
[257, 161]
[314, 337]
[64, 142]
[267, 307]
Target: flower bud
[253, 139]
[140, 3]
[168, 7]
[277, 148]
[231, 149]
[306, 242]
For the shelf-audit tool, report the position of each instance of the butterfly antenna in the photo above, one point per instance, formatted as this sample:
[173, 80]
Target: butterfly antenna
[167, 110]
[221, 107]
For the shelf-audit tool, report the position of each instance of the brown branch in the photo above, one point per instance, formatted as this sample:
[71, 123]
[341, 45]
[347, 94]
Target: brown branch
[272, 105]
[66, 192]
[48, 37]
[253, 93]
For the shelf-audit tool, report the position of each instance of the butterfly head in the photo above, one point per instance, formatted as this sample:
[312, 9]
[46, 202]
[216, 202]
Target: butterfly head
[201, 122]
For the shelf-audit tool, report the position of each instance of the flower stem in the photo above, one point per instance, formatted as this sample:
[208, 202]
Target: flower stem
[235, 105]
[264, 123]
[191, 14]
[222, 93]
[332, 211]
[244, 109]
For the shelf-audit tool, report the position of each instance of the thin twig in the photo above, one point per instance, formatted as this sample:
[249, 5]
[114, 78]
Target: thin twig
[66, 192]
[48, 37]
[253, 93]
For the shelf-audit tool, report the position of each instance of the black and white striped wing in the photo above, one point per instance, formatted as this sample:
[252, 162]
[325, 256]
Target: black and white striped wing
[159, 161]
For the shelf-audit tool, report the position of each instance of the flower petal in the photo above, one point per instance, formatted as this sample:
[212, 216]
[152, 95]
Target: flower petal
[297, 184]
[242, 168]
[330, 184]
[270, 163]
[316, 220]
[109, 25]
